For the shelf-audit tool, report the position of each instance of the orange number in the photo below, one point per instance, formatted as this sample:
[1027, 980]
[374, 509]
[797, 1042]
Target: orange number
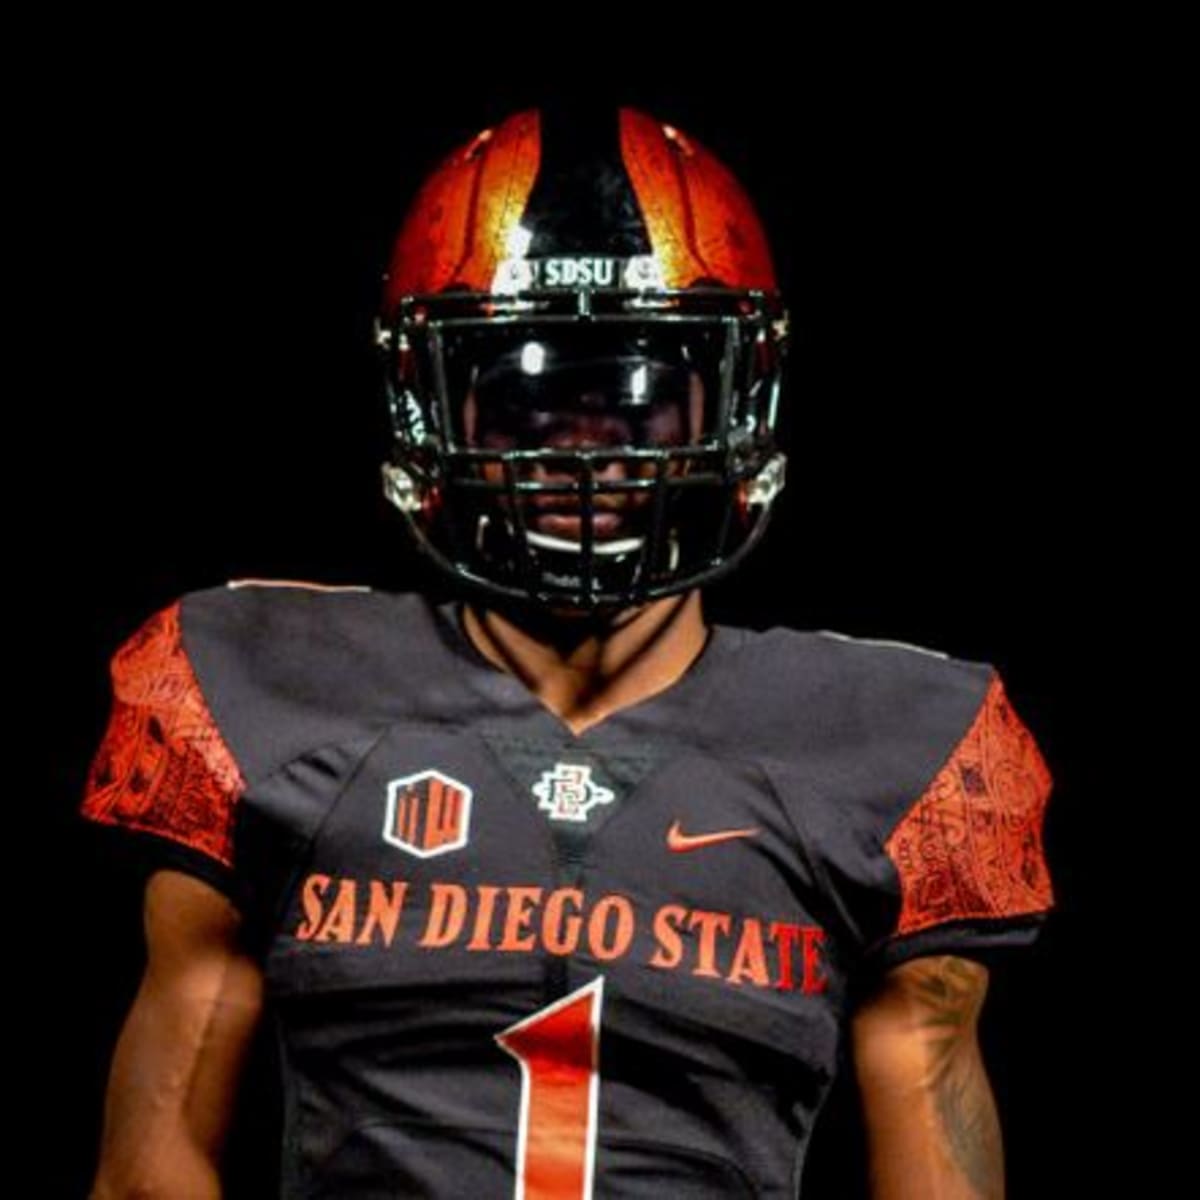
[557, 1049]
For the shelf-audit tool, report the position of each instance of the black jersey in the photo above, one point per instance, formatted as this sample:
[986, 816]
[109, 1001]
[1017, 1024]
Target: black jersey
[508, 960]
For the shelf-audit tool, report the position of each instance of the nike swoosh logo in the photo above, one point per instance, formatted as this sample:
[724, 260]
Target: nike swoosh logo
[678, 840]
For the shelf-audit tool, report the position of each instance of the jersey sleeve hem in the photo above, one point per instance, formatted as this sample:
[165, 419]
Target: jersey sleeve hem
[985, 940]
[142, 853]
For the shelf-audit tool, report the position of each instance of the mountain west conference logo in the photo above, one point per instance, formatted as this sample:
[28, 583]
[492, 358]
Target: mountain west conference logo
[569, 793]
[427, 813]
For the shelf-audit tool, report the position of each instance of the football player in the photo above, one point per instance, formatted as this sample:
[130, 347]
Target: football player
[555, 889]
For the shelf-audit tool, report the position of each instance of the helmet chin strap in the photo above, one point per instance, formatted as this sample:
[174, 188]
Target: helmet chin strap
[545, 541]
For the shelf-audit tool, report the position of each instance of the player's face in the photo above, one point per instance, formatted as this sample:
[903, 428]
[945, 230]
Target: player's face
[590, 421]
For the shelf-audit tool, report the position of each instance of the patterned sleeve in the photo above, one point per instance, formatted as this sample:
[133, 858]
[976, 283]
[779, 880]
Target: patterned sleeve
[965, 862]
[162, 776]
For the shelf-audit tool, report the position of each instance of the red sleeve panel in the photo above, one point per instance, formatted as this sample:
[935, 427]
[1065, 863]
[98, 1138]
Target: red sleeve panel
[971, 846]
[162, 766]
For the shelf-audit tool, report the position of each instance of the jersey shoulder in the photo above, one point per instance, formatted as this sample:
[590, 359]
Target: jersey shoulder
[286, 665]
[808, 690]
[220, 686]
[915, 785]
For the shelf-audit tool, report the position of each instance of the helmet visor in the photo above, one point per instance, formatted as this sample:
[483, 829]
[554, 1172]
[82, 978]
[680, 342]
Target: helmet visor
[528, 387]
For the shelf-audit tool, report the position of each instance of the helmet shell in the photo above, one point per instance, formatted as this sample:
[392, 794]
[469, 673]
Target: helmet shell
[687, 209]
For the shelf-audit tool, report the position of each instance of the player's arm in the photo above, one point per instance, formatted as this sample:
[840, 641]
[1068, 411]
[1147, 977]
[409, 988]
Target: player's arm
[929, 1114]
[177, 1061]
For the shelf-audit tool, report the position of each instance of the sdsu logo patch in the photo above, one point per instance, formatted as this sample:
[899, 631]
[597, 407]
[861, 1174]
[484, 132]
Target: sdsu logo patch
[427, 814]
[569, 793]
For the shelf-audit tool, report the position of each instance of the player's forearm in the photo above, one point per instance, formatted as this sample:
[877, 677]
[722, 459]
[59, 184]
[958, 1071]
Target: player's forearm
[934, 1138]
[148, 1150]
[171, 1087]
[933, 1132]
[174, 1172]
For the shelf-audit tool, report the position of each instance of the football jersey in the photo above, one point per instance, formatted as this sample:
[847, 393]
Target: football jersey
[507, 960]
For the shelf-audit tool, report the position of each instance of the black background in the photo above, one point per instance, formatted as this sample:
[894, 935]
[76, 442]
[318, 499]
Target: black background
[220, 210]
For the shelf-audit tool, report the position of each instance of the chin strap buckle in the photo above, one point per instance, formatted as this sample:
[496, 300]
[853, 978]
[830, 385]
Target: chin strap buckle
[399, 488]
[768, 483]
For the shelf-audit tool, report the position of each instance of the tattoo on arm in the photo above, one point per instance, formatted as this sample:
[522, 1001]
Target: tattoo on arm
[949, 994]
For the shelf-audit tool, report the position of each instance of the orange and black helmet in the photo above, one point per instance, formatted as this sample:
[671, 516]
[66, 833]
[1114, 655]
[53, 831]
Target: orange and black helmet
[583, 343]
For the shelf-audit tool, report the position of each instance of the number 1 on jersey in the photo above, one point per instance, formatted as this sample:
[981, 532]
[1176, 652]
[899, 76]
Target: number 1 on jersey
[557, 1049]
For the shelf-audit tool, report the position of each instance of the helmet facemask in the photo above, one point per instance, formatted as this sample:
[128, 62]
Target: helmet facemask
[589, 449]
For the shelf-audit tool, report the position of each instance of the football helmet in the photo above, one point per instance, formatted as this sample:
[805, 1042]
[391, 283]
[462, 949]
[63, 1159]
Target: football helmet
[582, 343]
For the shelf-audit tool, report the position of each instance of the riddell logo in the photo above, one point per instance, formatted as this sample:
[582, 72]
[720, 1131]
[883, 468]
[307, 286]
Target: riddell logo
[427, 814]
